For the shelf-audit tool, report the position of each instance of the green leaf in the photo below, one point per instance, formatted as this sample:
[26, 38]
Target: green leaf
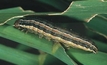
[16, 56]
[7, 14]
[89, 58]
[98, 24]
[85, 10]
[58, 4]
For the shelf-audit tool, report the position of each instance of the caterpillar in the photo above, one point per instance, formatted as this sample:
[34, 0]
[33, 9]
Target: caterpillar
[56, 34]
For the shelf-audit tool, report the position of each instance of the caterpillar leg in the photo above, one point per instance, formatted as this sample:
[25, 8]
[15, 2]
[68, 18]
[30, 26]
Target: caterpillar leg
[40, 35]
[67, 46]
[48, 38]
[24, 30]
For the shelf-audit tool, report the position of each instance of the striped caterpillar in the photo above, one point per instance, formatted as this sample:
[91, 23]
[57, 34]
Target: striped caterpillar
[56, 34]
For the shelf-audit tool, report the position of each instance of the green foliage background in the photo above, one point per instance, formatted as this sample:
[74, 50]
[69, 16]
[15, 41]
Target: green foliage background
[93, 14]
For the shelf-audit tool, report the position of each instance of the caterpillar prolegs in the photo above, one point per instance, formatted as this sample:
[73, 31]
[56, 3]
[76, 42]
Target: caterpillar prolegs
[65, 37]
